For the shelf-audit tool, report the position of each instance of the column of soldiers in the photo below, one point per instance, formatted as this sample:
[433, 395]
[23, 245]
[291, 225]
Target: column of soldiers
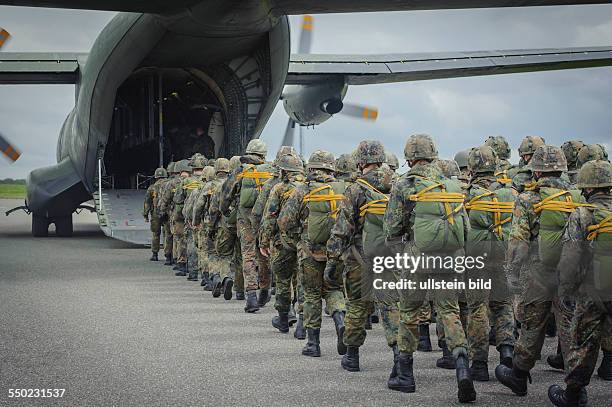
[308, 232]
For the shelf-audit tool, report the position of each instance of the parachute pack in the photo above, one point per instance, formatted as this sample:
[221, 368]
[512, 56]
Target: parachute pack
[372, 212]
[322, 203]
[253, 177]
[600, 236]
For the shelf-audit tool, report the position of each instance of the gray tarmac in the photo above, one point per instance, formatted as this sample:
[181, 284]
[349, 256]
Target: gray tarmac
[93, 316]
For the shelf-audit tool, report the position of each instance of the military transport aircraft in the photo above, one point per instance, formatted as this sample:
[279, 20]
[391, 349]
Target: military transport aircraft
[226, 62]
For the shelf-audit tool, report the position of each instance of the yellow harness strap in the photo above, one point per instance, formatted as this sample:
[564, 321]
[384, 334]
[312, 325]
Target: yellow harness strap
[443, 197]
[531, 186]
[193, 185]
[503, 177]
[493, 206]
[375, 207]
[605, 226]
[258, 176]
[331, 197]
[568, 206]
[288, 193]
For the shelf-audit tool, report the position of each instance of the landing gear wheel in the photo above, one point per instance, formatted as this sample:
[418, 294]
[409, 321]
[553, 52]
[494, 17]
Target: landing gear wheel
[40, 226]
[63, 226]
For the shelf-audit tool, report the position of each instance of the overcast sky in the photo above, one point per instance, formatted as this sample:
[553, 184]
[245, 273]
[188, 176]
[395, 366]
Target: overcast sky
[459, 113]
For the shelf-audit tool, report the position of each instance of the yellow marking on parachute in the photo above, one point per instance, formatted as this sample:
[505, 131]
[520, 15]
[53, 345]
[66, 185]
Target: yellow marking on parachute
[605, 226]
[567, 206]
[443, 197]
[330, 197]
[251, 172]
[493, 206]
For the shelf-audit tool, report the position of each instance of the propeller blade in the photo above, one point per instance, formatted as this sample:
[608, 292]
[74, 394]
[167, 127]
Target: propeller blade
[8, 150]
[360, 112]
[4, 36]
[305, 40]
[289, 132]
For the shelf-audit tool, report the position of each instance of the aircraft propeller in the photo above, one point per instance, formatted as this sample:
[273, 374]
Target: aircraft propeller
[6, 147]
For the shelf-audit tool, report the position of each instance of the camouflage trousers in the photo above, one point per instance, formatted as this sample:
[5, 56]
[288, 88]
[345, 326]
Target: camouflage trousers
[191, 237]
[297, 290]
[592, 322]
[155, 226]
[202, 254]
[167, 238]
[425, 313]
[316, 289]
[254, 276]
[501, 318]
[284, 265]
[237, 268]
[360, 301]
[181, 241]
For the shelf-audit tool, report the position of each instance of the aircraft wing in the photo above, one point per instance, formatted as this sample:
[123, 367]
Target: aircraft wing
[40, 67]
[371, 69]
[291, 7]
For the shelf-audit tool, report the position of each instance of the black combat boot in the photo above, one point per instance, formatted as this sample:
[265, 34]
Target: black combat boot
[396, 354]
[239, 295]
[350, 361]
[338, 318]
[424, 344]
[404, 381]
[176, 266]
[216, 286]
[374, 318]
[264, 297]
[447, 361]
[292, 316]
[513, 378]
[506, 353]
[479, 371]
[566, 398]
[492, 337]
[168, 261]
[154, 257]
[206, 281]
[551, 327]
[300, 332]
[555, 361]
[251, 302]
[228, 283]
[368, 323]
[181, 270]
[281, 322]
[466, 392]
[193, 275]
[312, 347]
[605, 369]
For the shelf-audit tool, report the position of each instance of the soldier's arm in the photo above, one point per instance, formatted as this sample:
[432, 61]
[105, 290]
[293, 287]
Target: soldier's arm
[198, 207]
[346, 224]
[271, 210]
[573, 254]
[229, 189]
[148, 202]
[213, 210]
[288, 220]
[395, 220]
[520, 233]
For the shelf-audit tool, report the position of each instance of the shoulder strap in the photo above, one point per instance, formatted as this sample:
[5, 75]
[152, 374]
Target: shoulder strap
[605, 226]
[446, 198]
[551, 204]
[376, 206]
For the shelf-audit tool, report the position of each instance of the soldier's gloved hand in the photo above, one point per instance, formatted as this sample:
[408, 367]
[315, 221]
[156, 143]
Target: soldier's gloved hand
[330, 274]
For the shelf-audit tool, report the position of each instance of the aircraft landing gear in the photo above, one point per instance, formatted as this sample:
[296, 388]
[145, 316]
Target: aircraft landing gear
[40, 225]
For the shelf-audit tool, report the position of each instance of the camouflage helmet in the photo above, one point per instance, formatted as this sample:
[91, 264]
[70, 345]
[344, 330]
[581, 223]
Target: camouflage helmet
[461, 158]
[290, 163]
[391, 160]
[323, 160]
[449, 168]
[500, 145]
[208, 173]
[595, 174]
[420, 147]
[571, 149]
[222, 165]
[591, 152]
[345, 164]
[198, 162]
[482, 159]
[234, 162]
[530, 144]
[284, 150]
[160, 173]
[548, 159]
[183, 166]
[171, 166]
[257, 147]
[370, 152]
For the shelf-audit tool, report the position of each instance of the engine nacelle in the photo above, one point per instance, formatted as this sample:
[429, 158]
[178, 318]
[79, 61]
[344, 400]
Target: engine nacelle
[313, 104]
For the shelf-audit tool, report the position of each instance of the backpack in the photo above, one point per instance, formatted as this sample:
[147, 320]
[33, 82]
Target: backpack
[436, 226]
[600, 236]
[372, 236]
[322, 203]
[253, 177]
[490, 214]
[554, 211]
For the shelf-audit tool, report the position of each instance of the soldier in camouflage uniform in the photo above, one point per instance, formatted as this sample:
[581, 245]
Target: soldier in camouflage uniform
[282, 254]
[531, 243]
[522, 176]
[587, 247]
[163, 216]
[591, 152]
[167, 205]
[500, 145]
[321, 193]
[346, 245]
[400, 233]
[571, 149]
[150, 208]
[346, 168]
[198, 216]
[461, 158]
[178, 198]
[392, 161]
[197, 163]
[245, 183]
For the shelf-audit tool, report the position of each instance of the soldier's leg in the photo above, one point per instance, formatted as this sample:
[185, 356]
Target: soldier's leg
[181, 245]
[564, 313]
[263, 278]
[284, 266]
[478, 331]
[357, 305]
[192, 256]
[502, 317]
[424, 320]
[249, 263]
[174, 240]
[237, 268]
[605, 369]
[313, 287]
[155, 225]
[167, 242]
[533, 329]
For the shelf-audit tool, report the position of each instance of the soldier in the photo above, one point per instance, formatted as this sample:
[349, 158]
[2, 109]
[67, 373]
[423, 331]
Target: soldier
[523, 175]
[163, 216]
[591, 152]
[201, 232]
[392, 161]
[423, 204]
[585, 258]
[282, 254]
[500, 145]
[539, 218]
[461, 158]
[197, 162]
[150, 208]
[178, 220]
[361, 207]
[490, 205]
[346, 168]
[167, 206]
[246, 182]
[571, 149]
[306, 220]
